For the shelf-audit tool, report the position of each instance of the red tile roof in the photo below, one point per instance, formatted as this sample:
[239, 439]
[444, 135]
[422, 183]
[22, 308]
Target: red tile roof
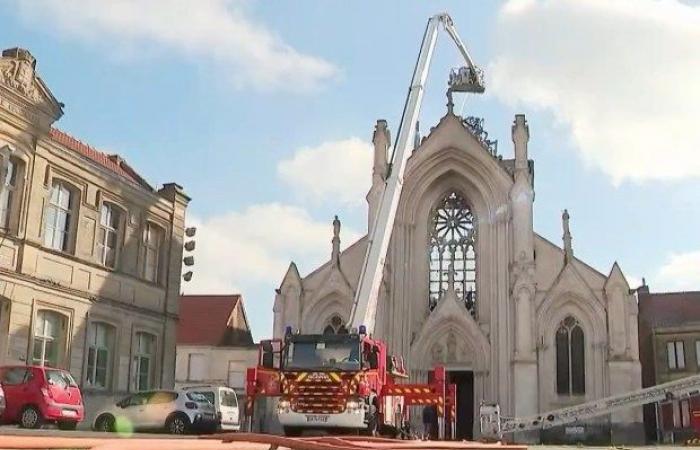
[113, 163]
[204, 320]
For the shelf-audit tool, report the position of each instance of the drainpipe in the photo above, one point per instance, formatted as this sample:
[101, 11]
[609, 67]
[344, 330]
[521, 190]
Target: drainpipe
[167, 291]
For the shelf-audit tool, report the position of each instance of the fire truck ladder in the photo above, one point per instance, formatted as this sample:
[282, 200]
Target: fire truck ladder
[494, 426]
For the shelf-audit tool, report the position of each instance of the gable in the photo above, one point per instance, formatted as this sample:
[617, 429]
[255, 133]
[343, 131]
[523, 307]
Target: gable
[549, 259]
[212, 320]
[25, 93]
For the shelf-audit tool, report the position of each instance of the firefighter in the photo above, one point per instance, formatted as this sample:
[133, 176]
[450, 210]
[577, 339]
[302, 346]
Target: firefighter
[430, 425]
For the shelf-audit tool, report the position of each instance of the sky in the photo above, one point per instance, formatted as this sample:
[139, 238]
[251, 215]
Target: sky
[264, 112]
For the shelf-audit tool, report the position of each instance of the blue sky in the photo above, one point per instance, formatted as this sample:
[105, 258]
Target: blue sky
[263, 111]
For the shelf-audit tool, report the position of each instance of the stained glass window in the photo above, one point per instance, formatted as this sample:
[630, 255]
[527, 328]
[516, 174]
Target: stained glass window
[453, 248]
[571, 365]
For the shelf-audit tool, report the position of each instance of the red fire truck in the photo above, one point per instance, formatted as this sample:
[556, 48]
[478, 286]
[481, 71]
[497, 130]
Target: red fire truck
[342, 383]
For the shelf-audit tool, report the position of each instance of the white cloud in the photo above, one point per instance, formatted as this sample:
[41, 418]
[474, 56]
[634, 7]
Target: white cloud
[218, 30]
[681, 272]
[239, 251]
[336, 171]
[622, 74]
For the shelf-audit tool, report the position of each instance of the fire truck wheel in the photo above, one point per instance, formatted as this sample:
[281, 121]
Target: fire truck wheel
[292, 431]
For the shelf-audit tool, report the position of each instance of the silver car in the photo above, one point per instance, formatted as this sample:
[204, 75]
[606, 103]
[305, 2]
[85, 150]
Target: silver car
[177, 412]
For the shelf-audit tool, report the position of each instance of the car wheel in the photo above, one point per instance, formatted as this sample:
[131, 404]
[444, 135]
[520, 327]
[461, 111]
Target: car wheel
[30, 417]
[177, 424]
[67, 426]
[104, 423]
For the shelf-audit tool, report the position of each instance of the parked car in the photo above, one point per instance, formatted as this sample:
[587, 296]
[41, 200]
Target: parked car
[177, 412]
[2, 400]
[35, 395]
[225, 403]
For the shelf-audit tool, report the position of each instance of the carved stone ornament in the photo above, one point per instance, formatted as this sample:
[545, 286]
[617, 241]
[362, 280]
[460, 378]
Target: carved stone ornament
[17, 72]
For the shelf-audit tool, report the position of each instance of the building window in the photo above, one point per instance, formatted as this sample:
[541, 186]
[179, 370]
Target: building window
[153, 236]
[452, 254]
[49, 338]
[335, 326]
[100, 348]
[107, 236]
[143, 360]
[681, 413]
[571, 366]
[58, 217]
[197, 367]
[8, 188]
[676, 355]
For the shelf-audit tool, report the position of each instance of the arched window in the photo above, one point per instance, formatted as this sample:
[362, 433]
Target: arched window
[335, 326]
[452, 245]
[571, 366]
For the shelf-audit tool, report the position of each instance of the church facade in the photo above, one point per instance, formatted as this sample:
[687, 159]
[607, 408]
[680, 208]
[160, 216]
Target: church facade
[470, 285]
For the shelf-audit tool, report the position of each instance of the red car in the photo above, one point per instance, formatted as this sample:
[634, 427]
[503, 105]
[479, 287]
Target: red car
[35, 395]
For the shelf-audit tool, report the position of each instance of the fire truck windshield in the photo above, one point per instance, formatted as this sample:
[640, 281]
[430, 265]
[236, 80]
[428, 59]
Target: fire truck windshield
[322, 352]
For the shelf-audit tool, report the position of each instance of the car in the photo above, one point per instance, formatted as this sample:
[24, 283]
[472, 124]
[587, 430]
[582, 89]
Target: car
[2, 400]
[225, 403]
[177, 412]
[35, 395]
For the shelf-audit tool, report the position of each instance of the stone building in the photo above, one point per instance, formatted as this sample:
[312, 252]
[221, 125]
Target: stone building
[469, 284]
[90, 253]
[669, 349]
[214, 343]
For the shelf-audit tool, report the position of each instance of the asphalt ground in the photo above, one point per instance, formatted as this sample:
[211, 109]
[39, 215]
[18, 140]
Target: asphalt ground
[10, 435]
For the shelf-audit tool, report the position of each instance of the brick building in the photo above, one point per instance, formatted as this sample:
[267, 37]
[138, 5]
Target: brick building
[669, 349]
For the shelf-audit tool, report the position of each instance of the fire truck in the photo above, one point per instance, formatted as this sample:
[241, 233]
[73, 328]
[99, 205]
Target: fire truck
[350, 382]
[341, 383]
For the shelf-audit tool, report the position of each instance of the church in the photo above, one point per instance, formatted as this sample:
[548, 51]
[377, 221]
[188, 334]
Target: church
[468, 284]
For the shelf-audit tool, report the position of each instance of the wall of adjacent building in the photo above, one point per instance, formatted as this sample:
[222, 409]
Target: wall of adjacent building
[73, 283]
[222, 366]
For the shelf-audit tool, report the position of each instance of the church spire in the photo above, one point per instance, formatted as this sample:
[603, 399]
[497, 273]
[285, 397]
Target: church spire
[335, 254]
[568, 249]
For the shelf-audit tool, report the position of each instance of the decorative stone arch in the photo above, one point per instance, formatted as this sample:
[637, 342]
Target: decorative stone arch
[323, 311]
[591, 317]
[476, 347]
[335, 324]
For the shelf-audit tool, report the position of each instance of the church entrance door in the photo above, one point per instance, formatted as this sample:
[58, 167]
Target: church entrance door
[464, 380]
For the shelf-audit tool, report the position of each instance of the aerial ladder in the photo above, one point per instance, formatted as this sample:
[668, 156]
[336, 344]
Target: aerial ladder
[494, 426]
[467, 79]
[350, 381]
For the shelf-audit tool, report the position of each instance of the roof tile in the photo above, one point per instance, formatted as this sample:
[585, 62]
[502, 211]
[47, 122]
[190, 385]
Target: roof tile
[113, 163]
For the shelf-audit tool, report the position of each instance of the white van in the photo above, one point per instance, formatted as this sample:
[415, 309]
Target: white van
[225, 403]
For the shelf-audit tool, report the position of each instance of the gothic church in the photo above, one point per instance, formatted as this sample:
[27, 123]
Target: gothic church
[469, 284]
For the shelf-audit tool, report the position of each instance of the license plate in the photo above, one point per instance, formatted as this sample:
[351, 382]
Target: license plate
[69, 413]
[316, 418]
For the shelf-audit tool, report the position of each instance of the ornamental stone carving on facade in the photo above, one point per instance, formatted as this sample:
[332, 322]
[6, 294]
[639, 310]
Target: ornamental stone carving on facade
[17, 72]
